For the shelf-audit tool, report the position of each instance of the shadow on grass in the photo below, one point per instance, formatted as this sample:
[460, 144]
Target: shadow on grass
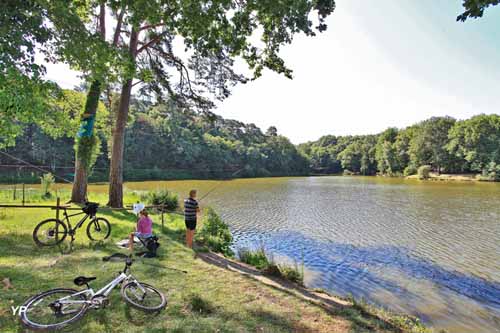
[253, 320]
[122, 215]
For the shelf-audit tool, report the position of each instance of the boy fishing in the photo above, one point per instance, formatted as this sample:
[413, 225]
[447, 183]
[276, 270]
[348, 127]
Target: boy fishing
[191, 210]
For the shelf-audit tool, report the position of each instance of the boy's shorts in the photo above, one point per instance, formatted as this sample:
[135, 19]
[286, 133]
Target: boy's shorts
[191, 225]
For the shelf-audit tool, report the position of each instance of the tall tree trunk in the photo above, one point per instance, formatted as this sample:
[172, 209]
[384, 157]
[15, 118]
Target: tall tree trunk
[79, 192]
[116, 165]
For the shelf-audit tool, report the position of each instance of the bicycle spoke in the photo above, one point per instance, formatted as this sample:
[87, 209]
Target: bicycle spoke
[147, 298]
[50, 311]
[98, 229]
[50, 233]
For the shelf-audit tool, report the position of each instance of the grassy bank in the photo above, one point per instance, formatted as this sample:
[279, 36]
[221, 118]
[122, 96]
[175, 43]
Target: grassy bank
[209, 298]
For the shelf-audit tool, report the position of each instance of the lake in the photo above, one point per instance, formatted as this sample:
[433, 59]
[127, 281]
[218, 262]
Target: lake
[431, 249]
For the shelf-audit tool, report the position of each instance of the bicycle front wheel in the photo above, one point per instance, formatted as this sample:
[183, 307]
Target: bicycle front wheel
[149, 300]
[53, 309]
[50, 232]
[98, 229]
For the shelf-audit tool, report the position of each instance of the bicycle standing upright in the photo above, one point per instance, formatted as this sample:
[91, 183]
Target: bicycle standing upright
[52, 232]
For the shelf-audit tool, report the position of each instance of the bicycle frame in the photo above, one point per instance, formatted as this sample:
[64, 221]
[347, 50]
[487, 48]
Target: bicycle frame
[104, 291]
[79, 224]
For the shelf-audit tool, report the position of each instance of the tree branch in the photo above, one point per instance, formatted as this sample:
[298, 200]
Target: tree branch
[152, 41]
[148, 26]
[118, 28]
[102, 20]
[137, 83]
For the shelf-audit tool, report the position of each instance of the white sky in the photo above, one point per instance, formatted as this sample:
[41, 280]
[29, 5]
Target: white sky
[380, 64]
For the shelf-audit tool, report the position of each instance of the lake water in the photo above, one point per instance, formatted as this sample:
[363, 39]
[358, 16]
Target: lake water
[431, 249]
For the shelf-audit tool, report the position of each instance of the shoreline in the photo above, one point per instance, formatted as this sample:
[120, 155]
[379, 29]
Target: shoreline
[471, 177]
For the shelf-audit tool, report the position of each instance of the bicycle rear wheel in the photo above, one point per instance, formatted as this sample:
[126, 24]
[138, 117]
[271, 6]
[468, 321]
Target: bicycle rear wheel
[46, 311]
[151, 301]
[98, 229]
[50, 232]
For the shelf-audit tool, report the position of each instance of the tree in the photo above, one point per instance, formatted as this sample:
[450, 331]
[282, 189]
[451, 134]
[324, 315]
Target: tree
[272, 131]
[350, 157]
[385, 152]
[214, 39]
[58, 30]
[428, 145]
[386, 156]
[475, 8]
[477, 141]
[23, 92]
[86, 141]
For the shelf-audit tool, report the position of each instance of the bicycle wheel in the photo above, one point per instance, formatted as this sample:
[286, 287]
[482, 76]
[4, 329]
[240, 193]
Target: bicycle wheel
[151, 301]
[98, 229]
[50, 232]
[46, 311]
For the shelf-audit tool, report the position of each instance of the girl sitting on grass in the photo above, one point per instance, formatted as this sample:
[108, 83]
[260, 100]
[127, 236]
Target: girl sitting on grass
[144, 228]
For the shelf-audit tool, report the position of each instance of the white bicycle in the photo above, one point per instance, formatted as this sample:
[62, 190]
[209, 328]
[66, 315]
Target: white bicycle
[54, 309]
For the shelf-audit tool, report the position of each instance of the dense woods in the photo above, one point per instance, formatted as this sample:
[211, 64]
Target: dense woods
[162, 142]
[443, 143]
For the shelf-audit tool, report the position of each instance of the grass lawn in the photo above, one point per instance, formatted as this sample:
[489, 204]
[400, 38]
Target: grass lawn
[206, 299]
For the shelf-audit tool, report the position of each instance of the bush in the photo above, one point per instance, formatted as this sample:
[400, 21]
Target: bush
[215, 233]
[264, 262]
[494, 171]
[47, 180]
[410, 170]
[490, 173]
[257, 258]
[424, 172]
[162, 197]
[292, 273]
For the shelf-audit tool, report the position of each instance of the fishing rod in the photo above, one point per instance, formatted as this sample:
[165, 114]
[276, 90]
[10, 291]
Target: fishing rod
[220, 183]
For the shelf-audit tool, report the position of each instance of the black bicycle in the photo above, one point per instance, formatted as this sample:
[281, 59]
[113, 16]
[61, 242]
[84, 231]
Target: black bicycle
[52, 232]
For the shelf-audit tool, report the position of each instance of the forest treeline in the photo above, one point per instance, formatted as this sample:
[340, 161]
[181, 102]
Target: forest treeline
[163, 141]
[443, 143]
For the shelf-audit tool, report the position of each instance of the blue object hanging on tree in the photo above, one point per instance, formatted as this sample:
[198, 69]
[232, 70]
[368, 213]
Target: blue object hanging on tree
[86, 126]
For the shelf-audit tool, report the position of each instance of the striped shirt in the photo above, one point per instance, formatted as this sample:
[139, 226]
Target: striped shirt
[190, 209]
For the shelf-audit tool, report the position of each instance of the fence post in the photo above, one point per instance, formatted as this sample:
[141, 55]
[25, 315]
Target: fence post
[23, 194]
[162, 220]
[14, 193]
[58, 201]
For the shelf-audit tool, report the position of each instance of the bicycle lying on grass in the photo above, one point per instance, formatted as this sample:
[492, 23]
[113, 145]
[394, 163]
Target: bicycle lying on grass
[52, 232]
[57, 308]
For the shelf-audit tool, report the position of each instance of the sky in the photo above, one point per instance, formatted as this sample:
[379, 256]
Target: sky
[380, 64]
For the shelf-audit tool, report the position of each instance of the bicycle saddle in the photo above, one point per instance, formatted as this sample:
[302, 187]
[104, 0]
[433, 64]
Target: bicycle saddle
[81, 280]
